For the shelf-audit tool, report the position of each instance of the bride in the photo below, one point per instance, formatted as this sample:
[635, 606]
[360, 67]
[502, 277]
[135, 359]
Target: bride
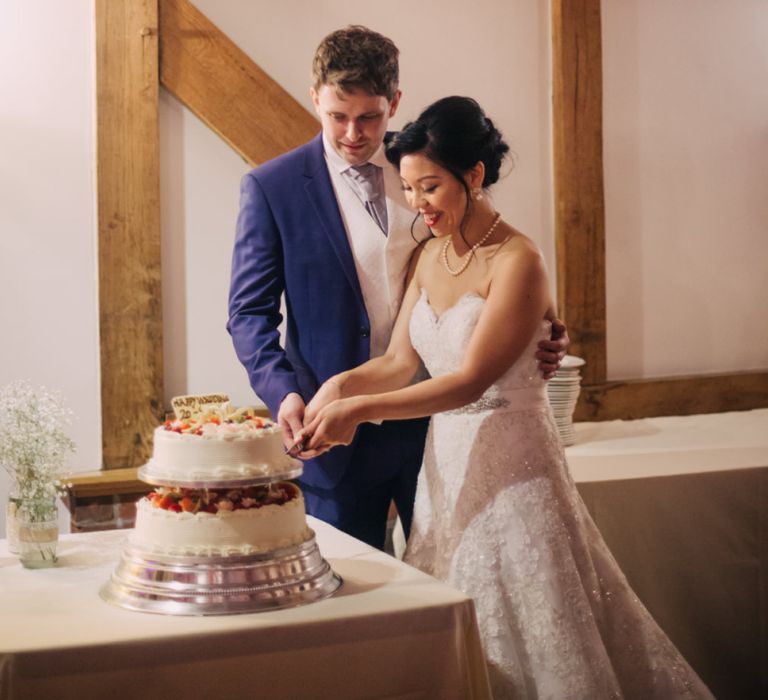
[497, 514]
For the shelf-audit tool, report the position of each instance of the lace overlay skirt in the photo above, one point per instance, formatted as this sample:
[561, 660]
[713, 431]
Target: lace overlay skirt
[497, 515]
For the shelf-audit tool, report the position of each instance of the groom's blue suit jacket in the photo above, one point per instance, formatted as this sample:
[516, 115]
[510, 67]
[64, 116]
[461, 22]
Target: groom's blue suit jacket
[290, 237]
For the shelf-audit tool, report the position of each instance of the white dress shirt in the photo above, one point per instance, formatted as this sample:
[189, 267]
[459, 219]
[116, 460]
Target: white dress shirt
[381, 261]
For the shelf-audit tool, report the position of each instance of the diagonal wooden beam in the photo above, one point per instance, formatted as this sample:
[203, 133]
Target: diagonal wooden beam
[578, 179]
[128, 183]
[217, 81]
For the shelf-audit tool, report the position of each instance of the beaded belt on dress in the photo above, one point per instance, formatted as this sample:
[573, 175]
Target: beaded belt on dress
[522, 399]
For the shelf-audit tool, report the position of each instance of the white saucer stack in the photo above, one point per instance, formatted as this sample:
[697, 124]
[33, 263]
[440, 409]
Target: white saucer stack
[563, 390]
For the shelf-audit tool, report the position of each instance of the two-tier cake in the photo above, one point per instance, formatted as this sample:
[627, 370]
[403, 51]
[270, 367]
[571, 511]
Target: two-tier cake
[225, 529]
[216, 494]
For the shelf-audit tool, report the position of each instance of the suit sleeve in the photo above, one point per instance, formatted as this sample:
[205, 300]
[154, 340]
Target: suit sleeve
[258, 281]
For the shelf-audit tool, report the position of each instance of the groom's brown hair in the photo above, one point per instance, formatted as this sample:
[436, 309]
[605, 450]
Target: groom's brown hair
[357, 58]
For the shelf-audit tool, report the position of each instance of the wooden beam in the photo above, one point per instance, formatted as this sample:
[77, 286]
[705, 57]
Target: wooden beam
[673, 396]
[217, 81]
[578, 179]
[129, 228]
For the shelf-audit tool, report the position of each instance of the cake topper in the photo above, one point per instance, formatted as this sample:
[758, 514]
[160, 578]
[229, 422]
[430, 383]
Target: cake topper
[185, 407]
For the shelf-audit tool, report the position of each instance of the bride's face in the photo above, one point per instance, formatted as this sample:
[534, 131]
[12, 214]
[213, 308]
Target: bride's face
[438, 196]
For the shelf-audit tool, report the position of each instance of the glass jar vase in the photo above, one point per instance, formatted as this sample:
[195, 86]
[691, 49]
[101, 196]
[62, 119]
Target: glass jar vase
[38, 532]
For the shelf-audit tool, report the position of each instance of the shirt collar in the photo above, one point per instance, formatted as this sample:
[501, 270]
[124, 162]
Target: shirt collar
[340, 165]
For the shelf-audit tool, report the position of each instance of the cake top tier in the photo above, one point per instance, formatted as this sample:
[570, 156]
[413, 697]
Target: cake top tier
[218, 447]
[221, 422]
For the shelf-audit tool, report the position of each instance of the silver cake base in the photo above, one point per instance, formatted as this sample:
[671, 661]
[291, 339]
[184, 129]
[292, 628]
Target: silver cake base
[170, 585]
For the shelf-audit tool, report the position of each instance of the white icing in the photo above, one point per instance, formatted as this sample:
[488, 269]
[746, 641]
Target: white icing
[226, 533]
[221, 452]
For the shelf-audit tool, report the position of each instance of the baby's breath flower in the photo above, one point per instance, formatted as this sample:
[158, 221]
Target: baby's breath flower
[33, 443]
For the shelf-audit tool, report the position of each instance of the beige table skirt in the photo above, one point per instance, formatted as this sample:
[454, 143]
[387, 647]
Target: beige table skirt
[693, 543]
[390, 631]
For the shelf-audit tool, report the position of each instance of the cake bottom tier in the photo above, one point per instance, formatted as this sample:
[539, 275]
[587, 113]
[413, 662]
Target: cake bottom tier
[175, 585]
[226, 533]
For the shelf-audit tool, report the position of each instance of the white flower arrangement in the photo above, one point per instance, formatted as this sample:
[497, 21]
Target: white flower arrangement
[33, 446]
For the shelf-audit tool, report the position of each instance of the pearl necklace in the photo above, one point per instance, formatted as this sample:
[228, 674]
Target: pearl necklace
[468, 255]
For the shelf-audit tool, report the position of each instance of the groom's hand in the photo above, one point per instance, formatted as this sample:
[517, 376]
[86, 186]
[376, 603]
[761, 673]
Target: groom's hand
[551, 352]
[290, 417]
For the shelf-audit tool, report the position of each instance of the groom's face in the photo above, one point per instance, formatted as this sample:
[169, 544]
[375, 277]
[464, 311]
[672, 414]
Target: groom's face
[353, 122]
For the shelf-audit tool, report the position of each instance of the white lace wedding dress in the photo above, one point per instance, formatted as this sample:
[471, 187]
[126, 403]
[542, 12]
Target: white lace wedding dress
[497, 515]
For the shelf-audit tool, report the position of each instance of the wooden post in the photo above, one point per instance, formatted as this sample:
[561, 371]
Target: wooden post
[578, 179]
[129, 228]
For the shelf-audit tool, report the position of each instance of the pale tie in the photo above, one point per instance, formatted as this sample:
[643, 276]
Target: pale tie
[367, 180]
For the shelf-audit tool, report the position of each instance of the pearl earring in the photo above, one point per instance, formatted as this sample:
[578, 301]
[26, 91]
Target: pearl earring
[477, 193]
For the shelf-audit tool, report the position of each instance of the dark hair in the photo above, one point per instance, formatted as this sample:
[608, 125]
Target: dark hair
[454, 133]
[357, 58]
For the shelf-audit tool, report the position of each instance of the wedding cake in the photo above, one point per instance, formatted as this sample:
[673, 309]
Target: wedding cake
[215, 468]
[217, 445]
[224, 530]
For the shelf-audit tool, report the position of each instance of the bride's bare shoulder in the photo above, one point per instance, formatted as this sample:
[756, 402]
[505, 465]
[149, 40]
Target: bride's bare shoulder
[516, 247]
[427, 250]
[423, 251]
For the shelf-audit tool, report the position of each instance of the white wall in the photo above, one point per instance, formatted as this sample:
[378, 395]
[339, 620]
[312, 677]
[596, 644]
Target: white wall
[199, 192]
[48, 291]
[686, 184]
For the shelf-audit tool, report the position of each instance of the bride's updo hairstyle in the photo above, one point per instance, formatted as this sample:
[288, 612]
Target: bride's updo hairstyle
[454, 133]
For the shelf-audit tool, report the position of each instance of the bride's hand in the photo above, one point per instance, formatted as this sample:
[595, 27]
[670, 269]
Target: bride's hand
[330, 391]
[333, 425]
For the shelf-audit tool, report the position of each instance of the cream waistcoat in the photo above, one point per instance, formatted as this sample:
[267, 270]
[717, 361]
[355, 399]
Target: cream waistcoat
[381, 261]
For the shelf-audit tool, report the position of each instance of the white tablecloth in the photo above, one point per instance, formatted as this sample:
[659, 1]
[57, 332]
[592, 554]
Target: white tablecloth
[669, 445]
[682, 502]
[389, 632]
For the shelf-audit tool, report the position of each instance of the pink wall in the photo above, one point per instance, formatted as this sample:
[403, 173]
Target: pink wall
[686, 147]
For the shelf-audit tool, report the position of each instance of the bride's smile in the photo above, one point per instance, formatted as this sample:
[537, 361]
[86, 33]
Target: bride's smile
[434, 192]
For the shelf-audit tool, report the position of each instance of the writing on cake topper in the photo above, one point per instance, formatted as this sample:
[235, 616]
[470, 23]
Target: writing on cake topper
[185, 407]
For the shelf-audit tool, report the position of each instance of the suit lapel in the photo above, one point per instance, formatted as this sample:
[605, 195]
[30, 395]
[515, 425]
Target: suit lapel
[320, 192]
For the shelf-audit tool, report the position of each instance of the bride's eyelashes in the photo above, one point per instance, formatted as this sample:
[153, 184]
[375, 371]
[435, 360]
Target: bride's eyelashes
[425, 190]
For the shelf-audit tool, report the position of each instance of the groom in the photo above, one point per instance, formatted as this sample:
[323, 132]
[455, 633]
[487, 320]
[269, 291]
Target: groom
[327, 225]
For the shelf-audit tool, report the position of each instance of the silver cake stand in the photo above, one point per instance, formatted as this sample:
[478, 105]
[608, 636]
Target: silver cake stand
[218, 585]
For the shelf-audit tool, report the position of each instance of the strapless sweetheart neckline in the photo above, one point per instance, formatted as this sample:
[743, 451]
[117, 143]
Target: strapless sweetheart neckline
[437, 316]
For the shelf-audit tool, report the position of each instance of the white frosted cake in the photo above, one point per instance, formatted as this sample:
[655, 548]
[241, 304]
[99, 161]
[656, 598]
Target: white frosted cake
[212, 447]
[220, 522]
[217, 447]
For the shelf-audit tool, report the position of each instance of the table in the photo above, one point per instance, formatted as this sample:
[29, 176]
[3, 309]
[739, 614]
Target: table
[682, 502]
[390, 631]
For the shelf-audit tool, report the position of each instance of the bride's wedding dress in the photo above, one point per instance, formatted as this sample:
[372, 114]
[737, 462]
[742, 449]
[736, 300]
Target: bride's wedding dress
[497, 515]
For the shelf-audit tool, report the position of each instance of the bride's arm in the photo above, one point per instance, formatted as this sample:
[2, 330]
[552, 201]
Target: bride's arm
[517, 301]
[392, 370]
